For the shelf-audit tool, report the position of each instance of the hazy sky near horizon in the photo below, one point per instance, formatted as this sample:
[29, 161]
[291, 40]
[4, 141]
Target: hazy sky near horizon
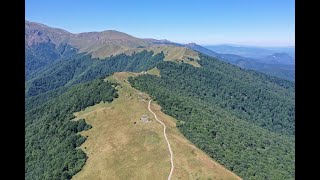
[247, 22]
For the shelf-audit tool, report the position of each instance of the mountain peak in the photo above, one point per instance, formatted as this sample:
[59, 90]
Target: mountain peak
[38, 33]
[105, 35]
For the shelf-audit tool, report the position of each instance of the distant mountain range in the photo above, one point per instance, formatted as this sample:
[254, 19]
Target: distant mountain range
[277, 64]
[251, 51]
[100, 45]
[110, 43]
[268, 60]
[279, 58]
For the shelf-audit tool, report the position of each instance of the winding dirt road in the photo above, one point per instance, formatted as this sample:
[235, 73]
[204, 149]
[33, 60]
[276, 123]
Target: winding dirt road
[165, 136]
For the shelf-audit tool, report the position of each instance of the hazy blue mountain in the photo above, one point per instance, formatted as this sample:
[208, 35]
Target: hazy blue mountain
[278, 64]
[279, 58]
[289, 50]
[251, 51]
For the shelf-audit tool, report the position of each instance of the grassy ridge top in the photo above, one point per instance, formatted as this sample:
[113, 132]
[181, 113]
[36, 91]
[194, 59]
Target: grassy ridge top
[119, 139]
[172, 53]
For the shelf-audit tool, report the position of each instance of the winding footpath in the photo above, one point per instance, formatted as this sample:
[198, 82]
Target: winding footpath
[165, 136]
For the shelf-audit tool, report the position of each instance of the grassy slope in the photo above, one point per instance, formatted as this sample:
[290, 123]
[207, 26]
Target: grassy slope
[119, 149]
[154, 71]
[51, 139]
[172, 53]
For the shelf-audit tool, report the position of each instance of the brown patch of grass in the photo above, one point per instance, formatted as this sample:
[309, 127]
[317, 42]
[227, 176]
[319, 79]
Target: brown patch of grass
[154, 71]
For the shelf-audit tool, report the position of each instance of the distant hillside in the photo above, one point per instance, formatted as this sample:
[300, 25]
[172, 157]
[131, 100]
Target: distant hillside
[201, 49]
[106, 43]
[102, 44]
[36, 33]
[54, 41]
[43, 54]
[250, 51]
[279, 58]
[171, 53]
[279, 64]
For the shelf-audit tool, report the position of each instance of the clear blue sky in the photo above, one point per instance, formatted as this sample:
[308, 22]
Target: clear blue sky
[247, 22]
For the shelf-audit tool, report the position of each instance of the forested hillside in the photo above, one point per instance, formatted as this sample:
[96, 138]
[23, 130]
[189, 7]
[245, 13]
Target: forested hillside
[61, 88]
[51, 137]
[243, 119]
[79, 68]
[41, 55]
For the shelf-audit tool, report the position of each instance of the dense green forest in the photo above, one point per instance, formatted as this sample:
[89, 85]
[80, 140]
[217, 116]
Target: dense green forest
[55, 91]
[243, 119]
[57, 77]
[51, 137]
[84, 68]
[42, 55]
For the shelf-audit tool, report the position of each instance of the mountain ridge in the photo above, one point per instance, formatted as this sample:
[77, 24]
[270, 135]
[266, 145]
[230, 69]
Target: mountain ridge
[277, 64]
[108, 43]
